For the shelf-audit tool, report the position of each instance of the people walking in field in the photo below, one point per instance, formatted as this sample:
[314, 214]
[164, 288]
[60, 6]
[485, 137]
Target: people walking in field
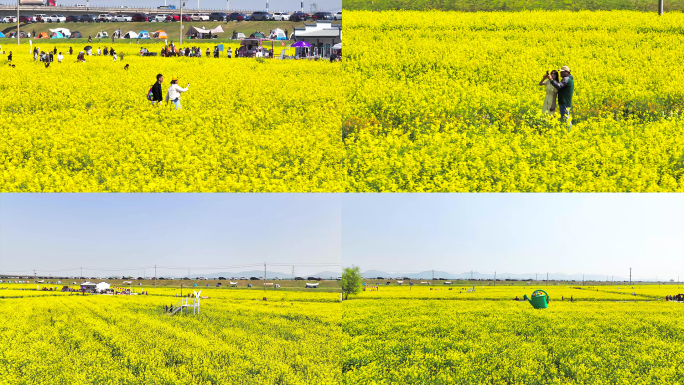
[71, 50]
[54, 51]
[157, 90]
[60, 57]
[549, 106]
[99, 52]
[174, 93]
[229, 52]
[565, 88]
[9, 57]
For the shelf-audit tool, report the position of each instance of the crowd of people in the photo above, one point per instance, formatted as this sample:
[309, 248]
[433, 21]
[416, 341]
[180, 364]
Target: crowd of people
[678, 298]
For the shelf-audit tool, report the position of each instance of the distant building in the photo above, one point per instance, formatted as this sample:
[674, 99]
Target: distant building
[322, 36]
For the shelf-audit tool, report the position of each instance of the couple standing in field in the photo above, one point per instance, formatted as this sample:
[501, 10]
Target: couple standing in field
[561, 86]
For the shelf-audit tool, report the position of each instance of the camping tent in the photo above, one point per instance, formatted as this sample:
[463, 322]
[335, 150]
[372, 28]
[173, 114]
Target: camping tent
[43, 35]
[278, 34]
[238, 36]
[57, 35]
[337, 46]
[311, 285]
[160, 35]
[144, 35]
[258, 35]
[2, 34]
[76, 35]
[131, 35]
[63, 31]
[101, 35]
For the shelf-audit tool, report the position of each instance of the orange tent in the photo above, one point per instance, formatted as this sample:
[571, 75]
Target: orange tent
[42, 35]
[160, 35]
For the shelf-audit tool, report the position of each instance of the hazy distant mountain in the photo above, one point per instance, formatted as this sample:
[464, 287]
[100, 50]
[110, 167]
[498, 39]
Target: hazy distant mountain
[475, 275]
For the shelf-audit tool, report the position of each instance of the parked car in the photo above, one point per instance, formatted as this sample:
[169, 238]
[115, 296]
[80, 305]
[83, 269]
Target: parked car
[322, 16]
[89, 18]
[187, 18]
[261, 16]
[218, 16]
[9, 19]
[253, 278]
[338, 16]
[56, 19]
[122, 18]
[103, 18]
[140, 17]
[299, 279]
[199, 17]
[281, 16]
[25, 19]
[159, 18]
[299, 16]
[172, 17]
[40, 18]
[73, 19]
[238, 16]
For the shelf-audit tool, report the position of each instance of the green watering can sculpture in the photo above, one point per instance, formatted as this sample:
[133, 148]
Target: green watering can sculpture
[539, 300]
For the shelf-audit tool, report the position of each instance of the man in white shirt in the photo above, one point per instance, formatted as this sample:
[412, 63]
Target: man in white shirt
[60, 57]
[174, 93]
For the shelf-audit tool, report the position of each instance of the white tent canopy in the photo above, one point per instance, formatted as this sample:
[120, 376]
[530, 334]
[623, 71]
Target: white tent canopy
[233, 283]
[131, 35]
[63, 31]
[337, 46]
[101, 34]
[201, 31]
[311, 285]
[102, 286]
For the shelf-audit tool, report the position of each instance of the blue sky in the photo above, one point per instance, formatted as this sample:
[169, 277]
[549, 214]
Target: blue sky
[57, 231]
[516, 233]
[274, 5]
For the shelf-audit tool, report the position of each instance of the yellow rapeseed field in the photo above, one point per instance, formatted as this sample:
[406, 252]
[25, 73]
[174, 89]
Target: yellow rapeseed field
[442, 339]
[449, 101]
[245, 125]
[100, 339]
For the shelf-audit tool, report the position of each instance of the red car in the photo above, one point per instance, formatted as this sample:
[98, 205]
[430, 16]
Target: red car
[25, 19]
[187, 18]
[140, 17]
[172, 17]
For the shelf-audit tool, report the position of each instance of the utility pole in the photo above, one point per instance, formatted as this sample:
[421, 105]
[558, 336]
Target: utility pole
[264, 277]
[34, 275]
[302, 6]
[18, 41]
[630, 275]
[266, 5]
[229, 5]
[181, 25]
[660, 7]
[155, 276]
[81, 272]
[547, 279]
[293, 272]
[582, 279]
[471, 275]
[433, 270]
[495, 278]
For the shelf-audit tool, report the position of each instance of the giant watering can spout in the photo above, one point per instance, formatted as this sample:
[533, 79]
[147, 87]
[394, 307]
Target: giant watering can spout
[539, 300]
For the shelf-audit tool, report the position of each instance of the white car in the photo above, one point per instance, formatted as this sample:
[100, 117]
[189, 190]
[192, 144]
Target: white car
[40, 18]
[337, 16]
[159, 18]
[56, 19]
[9, 19]
[122, 18]
[281, 16]
[103, 17]
[199, 17]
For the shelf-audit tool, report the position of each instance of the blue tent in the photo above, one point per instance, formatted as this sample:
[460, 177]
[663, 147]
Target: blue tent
[2, 34]
[144, 35]
[57, 35]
